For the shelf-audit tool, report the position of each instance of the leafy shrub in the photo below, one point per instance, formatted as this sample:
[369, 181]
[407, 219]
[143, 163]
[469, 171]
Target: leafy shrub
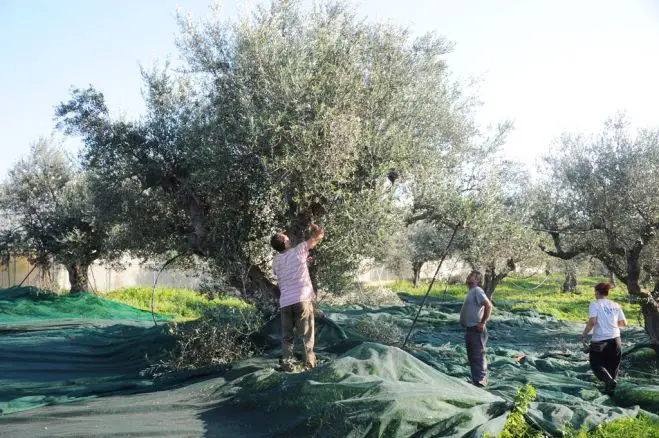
[516, 426]
[379, 296]
[639, 427]
[214, 339]
[382, 330]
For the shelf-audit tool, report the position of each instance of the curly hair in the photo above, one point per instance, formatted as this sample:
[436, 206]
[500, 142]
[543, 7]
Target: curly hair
[278, 242]
[603, 288]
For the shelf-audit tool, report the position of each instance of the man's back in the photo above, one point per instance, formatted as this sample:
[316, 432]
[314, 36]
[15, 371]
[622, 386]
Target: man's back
[292, 273]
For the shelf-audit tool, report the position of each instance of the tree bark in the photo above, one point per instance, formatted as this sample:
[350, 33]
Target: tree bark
[649, 302]
[612, 278]
[416, 273]
[78, 277]
[492, 279]
[258, 290]
[650, 311]
[570, 283]
[197, 240]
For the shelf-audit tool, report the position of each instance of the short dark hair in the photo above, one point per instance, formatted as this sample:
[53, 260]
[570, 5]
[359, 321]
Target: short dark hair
[603, 288]
[278, 242]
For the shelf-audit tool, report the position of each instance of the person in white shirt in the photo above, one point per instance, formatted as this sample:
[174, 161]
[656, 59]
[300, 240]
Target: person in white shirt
[605, 320]
[296, 293]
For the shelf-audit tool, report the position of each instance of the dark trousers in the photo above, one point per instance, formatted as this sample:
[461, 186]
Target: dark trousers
[476, 346]
[605, 359]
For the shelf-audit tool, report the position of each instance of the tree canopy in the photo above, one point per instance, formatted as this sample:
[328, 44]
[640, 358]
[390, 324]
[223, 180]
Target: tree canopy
[290, 116]
[600, 197]
[52, 216]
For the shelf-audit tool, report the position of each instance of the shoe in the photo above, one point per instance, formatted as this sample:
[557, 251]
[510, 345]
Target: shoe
[481, 384]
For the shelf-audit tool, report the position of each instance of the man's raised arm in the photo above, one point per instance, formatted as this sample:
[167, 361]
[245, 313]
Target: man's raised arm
[317, 234]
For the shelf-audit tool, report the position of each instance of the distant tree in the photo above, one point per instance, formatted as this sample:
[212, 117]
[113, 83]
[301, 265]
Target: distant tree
[481, 198]
[600, 197]
[498, 238]
[426, 243]
[53, 219]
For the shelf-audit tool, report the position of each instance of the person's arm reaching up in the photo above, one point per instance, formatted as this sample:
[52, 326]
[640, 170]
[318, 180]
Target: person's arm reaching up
[317, 234]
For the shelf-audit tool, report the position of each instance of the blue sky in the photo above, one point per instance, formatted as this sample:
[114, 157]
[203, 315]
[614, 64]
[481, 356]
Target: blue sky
[550, 66]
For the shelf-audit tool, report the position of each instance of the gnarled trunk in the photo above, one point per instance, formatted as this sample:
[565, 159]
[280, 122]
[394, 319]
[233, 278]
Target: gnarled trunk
[490, 282]
[570, 283]
[649, 301]
[78, 277]
[650, 311]
[492, 279]
[416, 273]
[258, 290]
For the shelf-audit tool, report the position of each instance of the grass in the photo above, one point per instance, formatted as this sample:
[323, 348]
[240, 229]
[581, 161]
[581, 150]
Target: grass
[517, 427]
[536, 293]
[639, 427]
[182, 304]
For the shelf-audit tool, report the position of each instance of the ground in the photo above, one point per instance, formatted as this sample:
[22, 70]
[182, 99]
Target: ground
[75, 365]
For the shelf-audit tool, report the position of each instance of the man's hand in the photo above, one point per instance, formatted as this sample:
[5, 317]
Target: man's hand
[317, 234]
[480, 328]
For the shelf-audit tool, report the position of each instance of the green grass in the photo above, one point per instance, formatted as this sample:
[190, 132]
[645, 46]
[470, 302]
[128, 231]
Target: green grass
[536, 293]
[182, 304]
[517, 427]
[639, 427]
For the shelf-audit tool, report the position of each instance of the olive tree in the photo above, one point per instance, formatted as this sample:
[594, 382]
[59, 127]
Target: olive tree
[475, 202]
[600, 197]
[498, 239]
[425, 242]
[290, 116]
[53, 218]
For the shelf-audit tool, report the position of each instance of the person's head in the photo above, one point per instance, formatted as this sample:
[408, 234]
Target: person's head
[475, 278]
[602, 290]
[280, 242]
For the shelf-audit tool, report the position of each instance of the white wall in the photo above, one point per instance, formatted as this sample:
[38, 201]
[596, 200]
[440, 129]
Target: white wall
[103, 278]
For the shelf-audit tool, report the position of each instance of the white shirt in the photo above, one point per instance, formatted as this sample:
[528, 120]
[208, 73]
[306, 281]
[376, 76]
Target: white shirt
[608, 314]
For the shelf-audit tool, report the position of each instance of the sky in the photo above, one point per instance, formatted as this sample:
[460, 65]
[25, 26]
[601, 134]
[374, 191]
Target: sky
[548, 66]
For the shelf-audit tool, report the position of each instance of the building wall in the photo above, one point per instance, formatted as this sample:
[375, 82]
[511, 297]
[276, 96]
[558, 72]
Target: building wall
[103, 278]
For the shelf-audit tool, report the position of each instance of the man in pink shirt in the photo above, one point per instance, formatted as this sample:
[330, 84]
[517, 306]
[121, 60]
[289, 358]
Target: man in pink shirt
[297, 294]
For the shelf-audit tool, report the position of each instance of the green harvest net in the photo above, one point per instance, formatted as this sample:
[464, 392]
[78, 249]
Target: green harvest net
[73, 366]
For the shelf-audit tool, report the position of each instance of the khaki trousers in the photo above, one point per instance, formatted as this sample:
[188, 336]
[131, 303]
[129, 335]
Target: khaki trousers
[298, 318]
